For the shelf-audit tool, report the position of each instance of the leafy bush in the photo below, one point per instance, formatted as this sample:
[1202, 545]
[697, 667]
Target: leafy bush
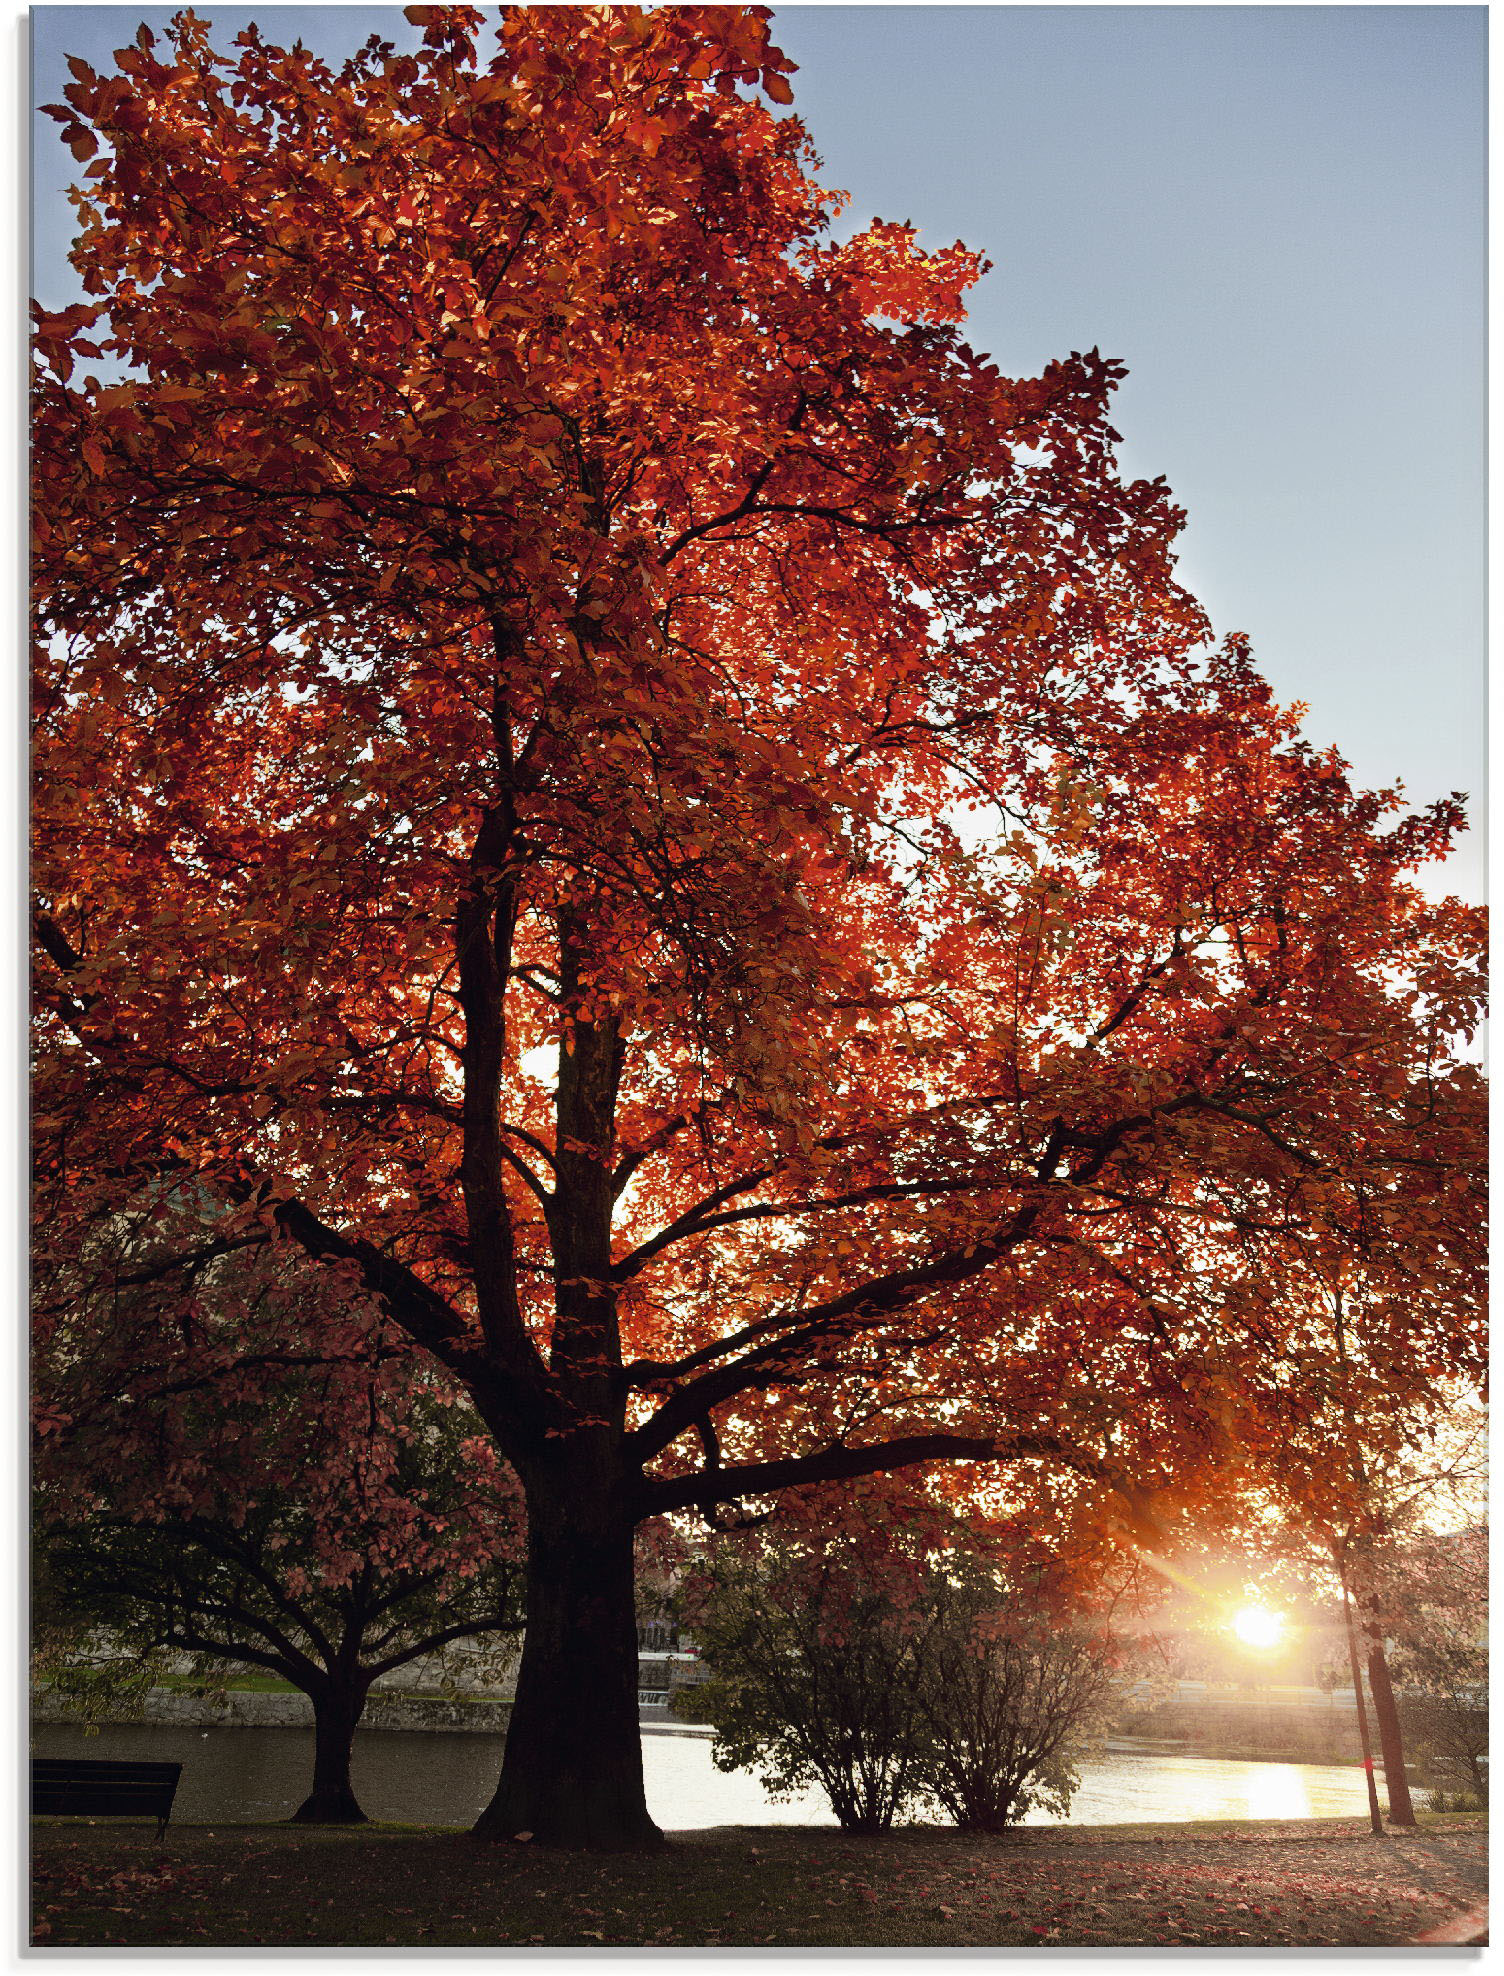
[1457, 1801]
[1009, 1693]
[894, 1666]
[813, 1681]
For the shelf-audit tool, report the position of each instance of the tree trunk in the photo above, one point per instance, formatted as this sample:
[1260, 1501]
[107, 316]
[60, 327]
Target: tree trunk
[1401, 1811]
[336, 1710]
[572, 1774]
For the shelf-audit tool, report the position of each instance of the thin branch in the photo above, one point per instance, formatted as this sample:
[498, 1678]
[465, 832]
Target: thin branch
[462, 1630]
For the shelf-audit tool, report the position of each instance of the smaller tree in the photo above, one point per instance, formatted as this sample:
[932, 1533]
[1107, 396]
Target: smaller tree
[874, 1647]
[255, 1589]
[325, 1508]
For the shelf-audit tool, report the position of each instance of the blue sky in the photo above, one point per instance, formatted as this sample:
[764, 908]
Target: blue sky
[1273, 215]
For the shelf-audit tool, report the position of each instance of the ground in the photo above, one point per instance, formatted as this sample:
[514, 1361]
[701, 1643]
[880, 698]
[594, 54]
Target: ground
[1317, 1882]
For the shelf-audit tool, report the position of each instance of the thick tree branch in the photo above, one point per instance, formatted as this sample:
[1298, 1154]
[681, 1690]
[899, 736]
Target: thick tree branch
[418, 1308]
[777, 1340]
[837, 1464]
[189, 1259]
[699, 1223]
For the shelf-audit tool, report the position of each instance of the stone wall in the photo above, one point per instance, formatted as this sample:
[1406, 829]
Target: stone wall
[242, 1708]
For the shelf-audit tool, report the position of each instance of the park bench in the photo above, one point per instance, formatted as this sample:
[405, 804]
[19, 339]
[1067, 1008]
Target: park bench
[76, 1787]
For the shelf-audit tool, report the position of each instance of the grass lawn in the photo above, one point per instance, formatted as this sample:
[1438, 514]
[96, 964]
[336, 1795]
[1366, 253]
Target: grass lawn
[1315, 1882]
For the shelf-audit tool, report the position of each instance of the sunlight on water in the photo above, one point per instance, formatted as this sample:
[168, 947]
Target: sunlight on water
[1278, 1790]
[1138, 1784]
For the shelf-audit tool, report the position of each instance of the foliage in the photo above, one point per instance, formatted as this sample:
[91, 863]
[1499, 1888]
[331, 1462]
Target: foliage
[1369, 1456]
[93, 1677]
[462, 650]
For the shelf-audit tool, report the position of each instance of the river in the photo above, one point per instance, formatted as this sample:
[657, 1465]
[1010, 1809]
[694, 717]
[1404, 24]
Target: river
[435, 1777]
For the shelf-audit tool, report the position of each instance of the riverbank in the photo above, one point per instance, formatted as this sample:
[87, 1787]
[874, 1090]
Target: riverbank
[1277, 1727]
[1253, 1729]
[1273, 1883]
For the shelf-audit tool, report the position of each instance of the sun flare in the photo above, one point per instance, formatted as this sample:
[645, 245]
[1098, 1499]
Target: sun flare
[1257, 1626]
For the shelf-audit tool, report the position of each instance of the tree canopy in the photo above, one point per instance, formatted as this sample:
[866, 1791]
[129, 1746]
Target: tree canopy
[601, 768]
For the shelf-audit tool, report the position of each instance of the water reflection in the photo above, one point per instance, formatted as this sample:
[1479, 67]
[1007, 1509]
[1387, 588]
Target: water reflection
[1282, 1793]
[1137, 1784]
[417, 1777]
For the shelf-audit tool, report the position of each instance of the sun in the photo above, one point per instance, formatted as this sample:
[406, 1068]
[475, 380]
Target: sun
[1257, 1626]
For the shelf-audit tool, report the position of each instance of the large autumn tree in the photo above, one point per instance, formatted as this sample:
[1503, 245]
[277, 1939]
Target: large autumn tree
[601, 768]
